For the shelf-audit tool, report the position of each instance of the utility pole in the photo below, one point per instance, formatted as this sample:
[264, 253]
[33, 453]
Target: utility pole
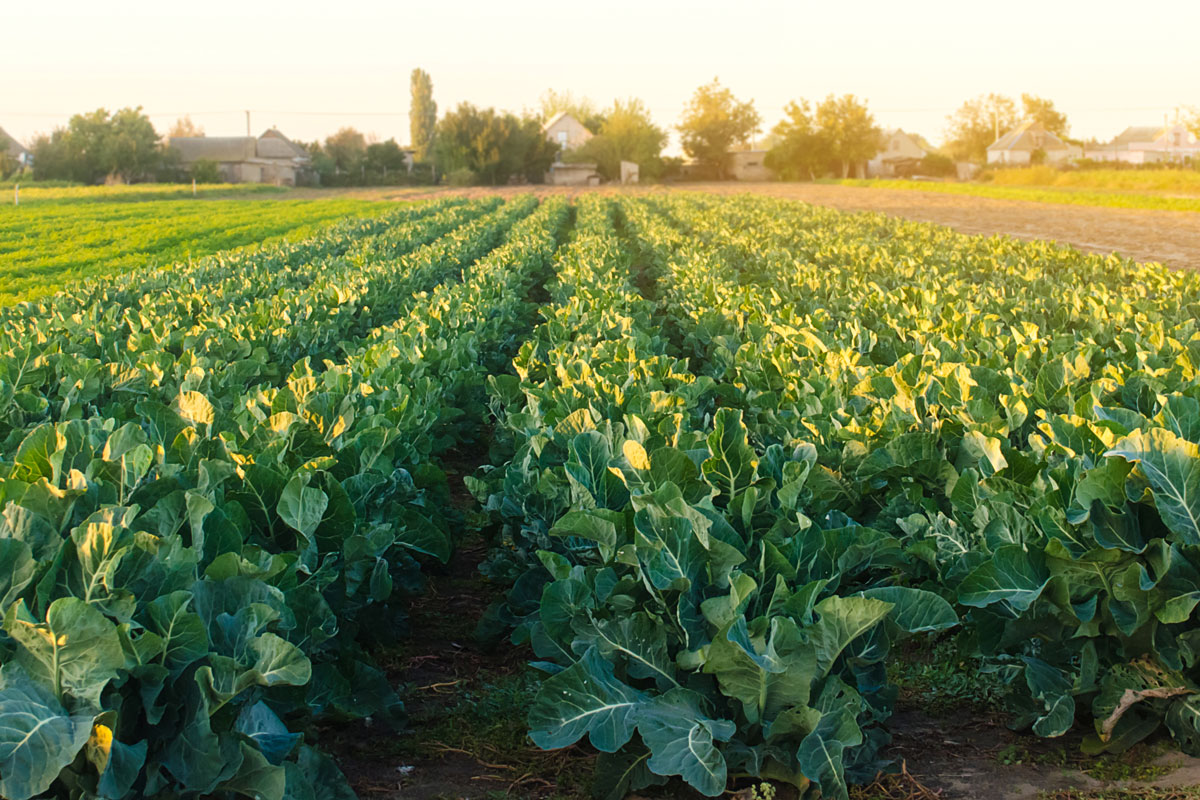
[248, 122]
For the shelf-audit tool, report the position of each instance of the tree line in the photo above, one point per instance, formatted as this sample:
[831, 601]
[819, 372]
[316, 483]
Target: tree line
[481, 145]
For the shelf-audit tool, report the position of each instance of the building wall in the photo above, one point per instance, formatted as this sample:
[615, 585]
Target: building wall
[570, 175]
[898, 147]
[569, 132]
[747, 165]
[1025, 157]
[1018, 157]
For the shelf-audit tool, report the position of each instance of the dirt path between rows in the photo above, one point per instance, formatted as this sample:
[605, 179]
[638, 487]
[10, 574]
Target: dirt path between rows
[1169, 237]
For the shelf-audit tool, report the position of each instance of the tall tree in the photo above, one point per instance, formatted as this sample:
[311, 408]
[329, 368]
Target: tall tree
[714, 121]
[799, 151]
[184, 128]
[848, 129]
[975, 124]
[581, 108]
[422, 115]
[627, 134]
[1042, 111]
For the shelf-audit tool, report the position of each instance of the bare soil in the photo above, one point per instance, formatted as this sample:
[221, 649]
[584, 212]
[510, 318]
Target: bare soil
[1169, 237]
[961, 756]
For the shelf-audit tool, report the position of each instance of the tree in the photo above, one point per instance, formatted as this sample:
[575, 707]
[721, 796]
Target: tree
[849, 130]
[493, 147]
[184, 128]
[978, 123]
[132, 151]
[526, 152]
[98, 145]
[382, 158]
[422, 115]
[346, 148]
[8, 165]
[1043, 112]
[799, 151]
[627, 134]
[581, 108]
[714, 121]
[1192, 119]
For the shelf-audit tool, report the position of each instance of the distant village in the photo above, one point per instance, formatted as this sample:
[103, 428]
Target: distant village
[561, 148]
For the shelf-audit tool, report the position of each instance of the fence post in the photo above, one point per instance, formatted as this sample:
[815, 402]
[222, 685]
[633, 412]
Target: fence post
[193, 187]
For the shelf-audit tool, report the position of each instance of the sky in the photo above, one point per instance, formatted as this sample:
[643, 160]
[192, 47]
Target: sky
[312, 67]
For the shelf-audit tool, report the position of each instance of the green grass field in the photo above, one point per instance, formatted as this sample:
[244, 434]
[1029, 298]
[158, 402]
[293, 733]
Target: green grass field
[1177, 181]
[1041, 194]
[46, 244]
[56, 192]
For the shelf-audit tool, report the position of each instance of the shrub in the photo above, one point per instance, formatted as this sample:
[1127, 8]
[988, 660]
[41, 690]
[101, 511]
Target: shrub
[461, 177]
[206, 171]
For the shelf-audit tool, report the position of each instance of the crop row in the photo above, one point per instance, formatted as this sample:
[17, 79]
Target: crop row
[749, 447]
[183, 576]
[880, 428]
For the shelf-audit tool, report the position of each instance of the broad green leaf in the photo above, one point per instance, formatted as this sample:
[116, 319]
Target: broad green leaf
[38, 737]
[764, 679]
[185, 639]
[642, 641]
[840, 621]
[302, 506]
[74, 653]
[915, 610]
[279, 662]
[1172, 466]
[680, 738]
[256, 777]
[585, 699]
[1013, 576]
[820, 754]
[194, 408]
[1052, 689]
[732, 465]
[17, 570]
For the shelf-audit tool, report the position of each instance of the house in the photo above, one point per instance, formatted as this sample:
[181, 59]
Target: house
[15, 150]
[1148, 144]
[747, 165]
[900, 155]
[271, 158]
[565, 130]
[1017, 147]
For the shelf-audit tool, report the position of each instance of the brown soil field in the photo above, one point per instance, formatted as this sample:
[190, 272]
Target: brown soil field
[1169, 237]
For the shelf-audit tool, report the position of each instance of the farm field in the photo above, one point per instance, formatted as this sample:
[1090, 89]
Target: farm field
[1174, 181]
[38, 193]
[695, 491]
[1057, 194]
[50, 242]
[1169, 237]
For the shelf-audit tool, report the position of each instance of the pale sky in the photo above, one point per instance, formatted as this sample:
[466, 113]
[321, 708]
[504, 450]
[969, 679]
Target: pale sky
[310, 67]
